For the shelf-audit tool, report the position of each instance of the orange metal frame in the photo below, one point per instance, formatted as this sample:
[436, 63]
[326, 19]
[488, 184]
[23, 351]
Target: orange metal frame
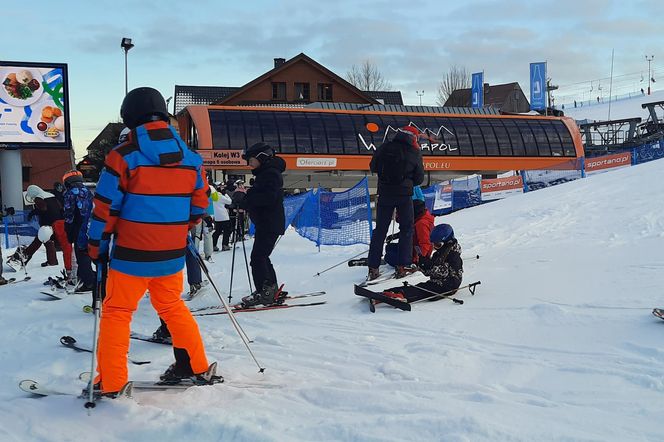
[200, 117]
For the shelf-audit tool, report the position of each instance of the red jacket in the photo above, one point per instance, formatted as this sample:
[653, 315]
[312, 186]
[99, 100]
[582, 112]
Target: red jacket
[421, 242]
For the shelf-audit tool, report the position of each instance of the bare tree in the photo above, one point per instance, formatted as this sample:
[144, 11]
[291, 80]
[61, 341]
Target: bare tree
[367, 77]
[456, 78]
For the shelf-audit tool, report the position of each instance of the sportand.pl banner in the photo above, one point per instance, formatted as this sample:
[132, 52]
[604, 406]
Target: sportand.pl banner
[606, 163]
[497, 188]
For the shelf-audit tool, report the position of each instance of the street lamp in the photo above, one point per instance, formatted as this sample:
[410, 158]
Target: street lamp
[419, 94]
[649, 60]
[126, 44]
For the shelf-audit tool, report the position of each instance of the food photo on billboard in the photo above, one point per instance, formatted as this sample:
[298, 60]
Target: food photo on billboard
[34, 105]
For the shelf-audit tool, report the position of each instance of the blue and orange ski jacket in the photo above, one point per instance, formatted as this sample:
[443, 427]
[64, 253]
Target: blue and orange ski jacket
[152, 189]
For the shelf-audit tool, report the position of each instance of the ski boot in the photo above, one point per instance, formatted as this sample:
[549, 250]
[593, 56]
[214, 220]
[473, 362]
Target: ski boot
[374, 273]
[162, 335]
[98, 394]
[403, 271]
[395, 295]
[175, 375]
[269, 295]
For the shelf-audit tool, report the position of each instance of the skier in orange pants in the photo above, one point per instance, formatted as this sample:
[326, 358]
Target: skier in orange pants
[149, 194]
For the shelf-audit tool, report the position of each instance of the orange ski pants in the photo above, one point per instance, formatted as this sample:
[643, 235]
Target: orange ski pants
[123, 292]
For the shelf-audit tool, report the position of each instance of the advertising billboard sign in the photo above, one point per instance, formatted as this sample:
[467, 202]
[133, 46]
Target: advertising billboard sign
[606, 163]
[497, 188]
[477, 91]
[538, 86]
[34, 105]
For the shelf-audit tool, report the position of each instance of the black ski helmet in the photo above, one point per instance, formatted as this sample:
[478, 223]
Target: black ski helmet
[140, 105]
[441, 233]
[257, 151]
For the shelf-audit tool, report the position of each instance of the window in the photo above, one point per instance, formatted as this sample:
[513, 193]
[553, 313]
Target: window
[302, 91]
[324, 92]
[279, 91]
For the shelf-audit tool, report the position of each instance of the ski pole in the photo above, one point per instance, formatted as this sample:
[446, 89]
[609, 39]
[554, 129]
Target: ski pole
[246, 263]
[101, 277]
[229, 310]
[230, 289]
[448, 294]
[342, 262]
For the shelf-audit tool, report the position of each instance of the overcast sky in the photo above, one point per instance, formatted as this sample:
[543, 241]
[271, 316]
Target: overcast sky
[413, 43]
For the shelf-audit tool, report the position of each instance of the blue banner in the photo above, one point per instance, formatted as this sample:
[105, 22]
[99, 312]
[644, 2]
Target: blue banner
[538, 86]
[477, 92]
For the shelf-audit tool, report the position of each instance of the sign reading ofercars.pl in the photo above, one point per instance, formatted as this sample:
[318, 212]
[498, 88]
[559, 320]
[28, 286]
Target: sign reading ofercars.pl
[316, 162]
[34, 109]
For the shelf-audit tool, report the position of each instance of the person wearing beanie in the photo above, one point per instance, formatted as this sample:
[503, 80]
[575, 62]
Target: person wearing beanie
[77, 209]
[151, 191]
[264, 202]
[398, 164]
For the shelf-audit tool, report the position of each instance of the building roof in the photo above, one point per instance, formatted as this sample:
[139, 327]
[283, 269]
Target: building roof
[487, 110]
[300, 58]
[188, 95]
[494, 95]
[386, 97]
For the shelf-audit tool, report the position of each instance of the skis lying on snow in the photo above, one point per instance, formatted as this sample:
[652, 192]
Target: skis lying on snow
[404, 305]
[70, 342]
[33, 387]
[287, 297]
[148, 338]
[659, 312]
[373, 296]
[238, 309]
[384, 277]
[15, 281]
[433, 296]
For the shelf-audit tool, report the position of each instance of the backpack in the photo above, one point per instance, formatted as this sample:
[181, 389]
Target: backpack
[392, 166]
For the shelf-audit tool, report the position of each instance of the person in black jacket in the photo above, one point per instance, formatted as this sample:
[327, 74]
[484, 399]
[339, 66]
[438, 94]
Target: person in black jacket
[444, 269]
[398, 164]
[264, 202]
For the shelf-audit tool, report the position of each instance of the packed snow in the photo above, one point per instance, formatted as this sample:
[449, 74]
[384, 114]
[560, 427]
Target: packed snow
[558, 342]
[623, 108]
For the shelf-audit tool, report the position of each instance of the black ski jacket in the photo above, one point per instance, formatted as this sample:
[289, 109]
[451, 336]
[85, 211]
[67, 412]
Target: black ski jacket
[413, 168]
[264, 201]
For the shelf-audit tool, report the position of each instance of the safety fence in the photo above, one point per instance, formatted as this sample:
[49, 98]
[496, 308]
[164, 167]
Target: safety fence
[450, 196]
[332, 218]
[14, 227]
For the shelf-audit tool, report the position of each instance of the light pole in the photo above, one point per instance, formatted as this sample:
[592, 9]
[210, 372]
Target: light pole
[126, 44]
[649, 60]
[419, 94]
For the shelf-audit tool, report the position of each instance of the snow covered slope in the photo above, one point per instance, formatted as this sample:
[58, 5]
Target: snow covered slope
[558, 342]
[624, 108]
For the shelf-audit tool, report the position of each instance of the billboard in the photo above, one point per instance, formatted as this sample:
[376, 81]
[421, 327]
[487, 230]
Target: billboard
[538, 86]
[497, 188]
[477, 91]
[34, 105]
[606, 163]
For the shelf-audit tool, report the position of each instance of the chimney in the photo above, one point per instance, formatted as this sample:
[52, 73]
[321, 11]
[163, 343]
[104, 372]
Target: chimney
[279, 61]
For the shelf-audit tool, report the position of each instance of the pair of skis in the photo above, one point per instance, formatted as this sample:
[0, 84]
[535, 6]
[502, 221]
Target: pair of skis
[15, 281]
[375, 297]
[237, 308]
[33, 387]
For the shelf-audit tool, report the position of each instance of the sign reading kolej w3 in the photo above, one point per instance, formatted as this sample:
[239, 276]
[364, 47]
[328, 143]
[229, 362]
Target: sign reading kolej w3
[538, 86]
[34, 109]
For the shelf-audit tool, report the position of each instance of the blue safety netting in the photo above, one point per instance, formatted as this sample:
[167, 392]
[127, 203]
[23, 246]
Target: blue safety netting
[648, 152]
[17, 225]
[336, 218]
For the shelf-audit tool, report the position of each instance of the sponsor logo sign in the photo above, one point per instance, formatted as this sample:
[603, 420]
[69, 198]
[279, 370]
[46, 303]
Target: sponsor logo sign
[222, 158]
[443, 197]
[316, 162]
[608, 162]
[497, 188]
